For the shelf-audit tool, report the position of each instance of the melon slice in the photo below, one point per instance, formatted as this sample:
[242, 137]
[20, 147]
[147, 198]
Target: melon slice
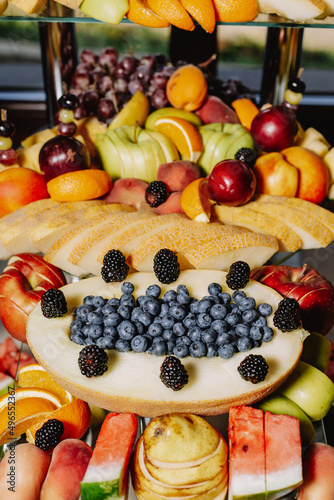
[296, 10]
[108, 469]
[132, 383]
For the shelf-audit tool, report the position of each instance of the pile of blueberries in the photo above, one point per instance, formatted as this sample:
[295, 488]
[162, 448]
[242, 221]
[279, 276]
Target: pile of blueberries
[176, 324]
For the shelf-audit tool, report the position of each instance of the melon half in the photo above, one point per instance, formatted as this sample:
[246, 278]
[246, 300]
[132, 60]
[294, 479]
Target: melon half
[132, 383]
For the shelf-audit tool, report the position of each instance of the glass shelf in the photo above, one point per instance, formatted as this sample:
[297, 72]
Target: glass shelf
[52, 13]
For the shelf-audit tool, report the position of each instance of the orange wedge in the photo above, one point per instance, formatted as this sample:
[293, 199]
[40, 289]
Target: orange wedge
[246, 111]
[184, 134]
[195, 201]
[172, 11]
[34, 375]
[76, 417]
[79, 185]
[202, 11]
[139, 14]
[235, 11]
[23, 407]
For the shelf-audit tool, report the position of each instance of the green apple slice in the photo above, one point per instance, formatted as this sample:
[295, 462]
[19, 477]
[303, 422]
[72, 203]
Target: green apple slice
[108, 11]
[132, 382]
[107, 156]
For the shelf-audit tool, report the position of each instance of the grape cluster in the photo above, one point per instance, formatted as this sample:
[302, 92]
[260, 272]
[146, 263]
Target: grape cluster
[229, 90]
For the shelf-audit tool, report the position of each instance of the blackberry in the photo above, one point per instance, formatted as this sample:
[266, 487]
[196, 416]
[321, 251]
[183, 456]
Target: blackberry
[173, 374]
[246, 155]
[253, 368]
[53, 303]
[156, 193]
[92, 361]
[114, 266]
[238, 275]
[287, 315]
[48, 436]
[166, 267]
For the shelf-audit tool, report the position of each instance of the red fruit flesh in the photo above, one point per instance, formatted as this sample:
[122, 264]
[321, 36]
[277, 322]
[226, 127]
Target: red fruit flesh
[231, 182]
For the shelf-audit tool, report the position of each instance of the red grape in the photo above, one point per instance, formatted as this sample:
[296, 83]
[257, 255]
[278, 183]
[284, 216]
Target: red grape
[7, 157]
[135, 85]
[159, 80]
[90, 101]
[121, 85]
[149, 61]
[159, 99]
[108, 58]
[67, 128]
[105, 109]
[104, 84]
[87, 56]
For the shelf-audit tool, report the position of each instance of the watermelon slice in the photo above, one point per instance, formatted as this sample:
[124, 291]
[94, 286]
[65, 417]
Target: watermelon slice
[9, 356]
[5, 382]
[247, 478]
[108, 469]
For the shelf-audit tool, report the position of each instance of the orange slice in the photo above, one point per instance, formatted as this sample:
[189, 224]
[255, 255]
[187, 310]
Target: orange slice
[235, 11]
[184, 134]
[202, 11]
[79, 185]
[76, 417]
[21, 408]
[139, 14]
[195, 201]
[246, 111]
[34, 375]
[172, 11]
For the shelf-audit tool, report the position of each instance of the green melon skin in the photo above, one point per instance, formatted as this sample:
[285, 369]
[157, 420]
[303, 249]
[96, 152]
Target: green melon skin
[100, 491]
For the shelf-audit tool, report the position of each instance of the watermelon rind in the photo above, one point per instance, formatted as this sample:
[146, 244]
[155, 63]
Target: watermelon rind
[100, 491]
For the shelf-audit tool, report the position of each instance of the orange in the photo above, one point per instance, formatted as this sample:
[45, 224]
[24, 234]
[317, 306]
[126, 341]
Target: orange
[202, 11]
[235, 11]
[76, 417]
[34, 375]
[195, 201]
[139, 14]
[21, 408]
[246, 111]
[79, 185]
[172, 11]
[184, 134]
[187, 88]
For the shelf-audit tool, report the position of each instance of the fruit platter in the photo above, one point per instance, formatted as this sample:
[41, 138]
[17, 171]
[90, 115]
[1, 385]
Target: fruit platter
[165, 295]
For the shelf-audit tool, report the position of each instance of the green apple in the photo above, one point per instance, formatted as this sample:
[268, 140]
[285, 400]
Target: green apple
[132, 159]
[221, 142]
[178, 113]
[168, 147]
[310, 389]
[108, 11]
[107, 155]
[317, 351]
[281, 405]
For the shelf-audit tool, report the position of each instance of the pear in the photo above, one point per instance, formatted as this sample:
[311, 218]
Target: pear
[317, 351]
[134, 112]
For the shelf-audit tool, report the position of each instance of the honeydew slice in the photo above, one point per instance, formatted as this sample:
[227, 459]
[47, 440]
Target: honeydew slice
[289, 241]
[91, 230]
[46, 234]
[132, 382]
[296, 10]
[312, 232]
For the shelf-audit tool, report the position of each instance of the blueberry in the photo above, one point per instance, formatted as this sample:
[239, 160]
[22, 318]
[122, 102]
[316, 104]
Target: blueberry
[256, 333]
[260, 321]
[179, 329]
[113, 319]
[268, 334]
[197, 349]
[181, 351]
[225, 298]
[212, 350]
[183, 298]
[128, 300]
[226, 351]
[195, 333]
[114, 302]
[169, 296]
[233, 318]
[152, 306]
[95, 318]
[95, 331]
[98, 301]
[170, 347]
[147, 337]
[108, 309]
[218, 311]
[194, 305]
[190, 320]
[247, 303]
[167, 321]
[244, 344]
[78, 338]
[242, 330]
[153, 291]
[88, 300]
[135, 313]
[124, 311]
[235, 308]
[177, 311]
[126, 330]
[110, 331]
[123, 345]
[82, 312]
[140, 327]
[215, 289]
[257, 343]
[249, 316]
[89, 341]
[139, 343]
[182, 289]
[159, 348]
[169, 335]
[155, 329]
[85, 330]
[141, 299]
[127, 287]
[183, 340]
[238, 295]
[76, 326]
[204, 320]
[145, 318]
[224, 338]
[204, 306]
[105, 342]
[220, 326]
[209, 335]
[265, 309]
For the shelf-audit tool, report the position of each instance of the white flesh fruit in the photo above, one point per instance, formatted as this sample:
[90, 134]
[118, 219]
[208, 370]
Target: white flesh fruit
[132, 382]
[296, 10]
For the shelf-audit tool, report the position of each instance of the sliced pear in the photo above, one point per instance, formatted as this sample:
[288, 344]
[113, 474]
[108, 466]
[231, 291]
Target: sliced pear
[133, 113]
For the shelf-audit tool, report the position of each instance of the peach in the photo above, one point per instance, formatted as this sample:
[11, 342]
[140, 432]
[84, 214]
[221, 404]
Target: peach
[275, 176]
[318, 466]
[129, 191]
[172, 205]
[214, 110]
[20, 186]
[178, 174]
[187, 88]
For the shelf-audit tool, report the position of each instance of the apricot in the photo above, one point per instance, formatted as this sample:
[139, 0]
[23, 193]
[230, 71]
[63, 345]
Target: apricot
[187, 88]
[20, 186]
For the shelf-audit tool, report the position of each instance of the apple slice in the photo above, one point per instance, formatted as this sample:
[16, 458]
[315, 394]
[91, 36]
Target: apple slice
[289, 241]
[296, 10]
[312, 232]
[132, 383]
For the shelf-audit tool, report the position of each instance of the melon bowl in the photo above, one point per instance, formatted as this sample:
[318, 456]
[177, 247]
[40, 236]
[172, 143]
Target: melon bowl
[132, 382]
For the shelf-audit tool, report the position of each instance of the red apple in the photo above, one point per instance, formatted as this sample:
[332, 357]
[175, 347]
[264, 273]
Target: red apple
[231, 182]
[274, 128]
[22, 283]
[314, 293]
[214, 110]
